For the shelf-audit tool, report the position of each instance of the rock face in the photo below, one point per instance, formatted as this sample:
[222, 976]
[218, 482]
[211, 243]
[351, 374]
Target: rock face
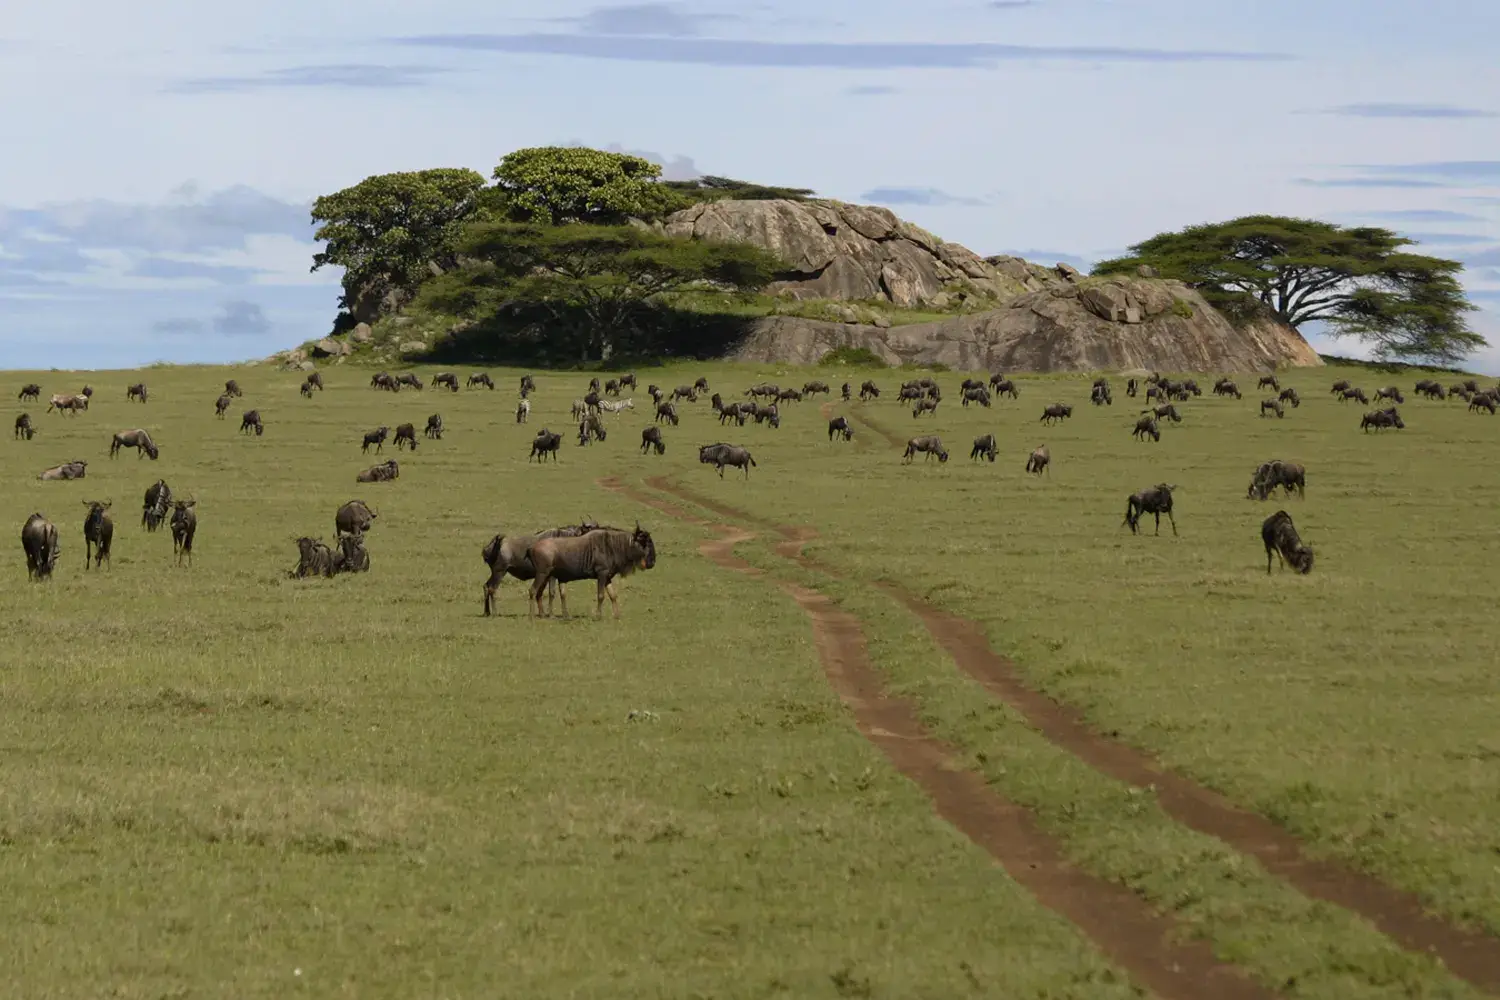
[858, 252]
[1112, 325]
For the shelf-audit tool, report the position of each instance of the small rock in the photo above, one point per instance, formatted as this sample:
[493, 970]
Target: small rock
[362, 333]
[846, 315]
[329, 348]
[1145, 270]
[881, 321]
[641, 715]
[942, 300]
[1068, 271]
[412, 346]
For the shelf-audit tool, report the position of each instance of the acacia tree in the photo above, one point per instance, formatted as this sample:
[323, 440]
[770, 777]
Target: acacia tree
[1358, 281]
[558, 185]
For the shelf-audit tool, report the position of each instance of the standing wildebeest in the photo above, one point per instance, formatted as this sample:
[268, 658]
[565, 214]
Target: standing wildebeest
[627, 381]
[925, 406]
[666, 411]
[67, 402]
[789, 396]
[602, 555]
[528, 384]
[1166, 410]
[75, 469]
[315, 381]
[481, 378]
[250, 420]
[1039, 460]
[232, 388]
[720, 455]
[845, 392]
[980, 395]
[546, 443]
[1268, 380]
[1156, 501]
[1289, 395]
[406, 434]
[686, 392]
[434, 428]
[222, 404]
[868, 390]
[651, 438]
[1227, 387]
[1271, 406]
[383, 380]
[1100, 395]
[814, 387]
[306, 390]
[1144, 427]
[411, 379]
[98, 532]
[24, 429]
[39, 542]
[137, 391]
[1482, 401]
[909, 391]
[700, 384]
[1280, 536]
[523, 410]
[87, 392]
[1381, 419]
[591, 428]
[446, 378]
[30, 391]
[612, 387]
[765, 414]
[1057, 411]
[839, 427]
[984, 446]
[154, 510]
[594, 384]
[1347, 394]
[314, 558]
[1005, 387]
[354, 516]
[1290, 476]
[737, 412]
[1131, 388]
[377, 438]
[184, 527]
[1389, 392]
[382, 473]
[137, 439]
[1340, 386]
[929, 445]
[511, 555]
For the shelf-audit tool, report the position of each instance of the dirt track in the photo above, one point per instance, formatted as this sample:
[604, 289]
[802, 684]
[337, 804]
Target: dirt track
[1146, 944]
[1471, 955]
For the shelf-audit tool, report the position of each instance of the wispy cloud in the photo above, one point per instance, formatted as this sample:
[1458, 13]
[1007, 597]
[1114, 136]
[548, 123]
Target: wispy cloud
[1485, 258]
[1012, 4]
[1370, 182]
[1447, 239]
[870, 90]
[668, 20]
[1422, 215]
[1471, 172]
[916, 196]
[673, 168]
[235, 318]
[1400, 110]
[358, 76]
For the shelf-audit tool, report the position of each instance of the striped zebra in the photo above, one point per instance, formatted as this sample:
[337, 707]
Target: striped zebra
[523, 410]
[616, 406]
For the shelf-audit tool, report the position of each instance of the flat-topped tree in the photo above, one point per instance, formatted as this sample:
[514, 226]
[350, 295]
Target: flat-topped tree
[1356, 280]
[556, 185]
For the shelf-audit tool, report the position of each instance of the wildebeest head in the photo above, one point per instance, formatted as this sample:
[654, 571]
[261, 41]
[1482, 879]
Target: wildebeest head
[642, 537]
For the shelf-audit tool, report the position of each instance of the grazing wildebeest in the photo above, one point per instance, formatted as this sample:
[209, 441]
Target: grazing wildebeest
[1289, 476]
[351, 555]
[222, 404]
[377, 438]
[651, 438]
[383, 380]
[928, 445]
[1100, 395]
[789, 396]
[1349, 394]
[1340, 386]
[868, 390]
[1005, 387]
[666, 411]
[980, 395]
[1271, 406]
[154, 510]
[315, 381]
[1132, 387]
[738, 412]
[1156, 501]
[839, 427]
[411, 379]
[354, 516]
[24, 430]
[1146, 427]
[382, 473]
[98, 532]
[446, 378]
[523, 410]
[1057, 411]
[67, 402]
[1389, 392]
[528, 384]
[1482, 401]
[766, 414]
[814, 387]
[1191, 386]
[250, 421]
[481, 378]
[591, 428]
[434, 429]
[844, 390]
[1381, 419]
[1227, 387]
[1268, 380]
[75, 469]
[406, 434]
[511, 555]
[1166, 410]
[137, 439]
[925, 406]
[314, 558]
[719, 455]
[1280, 537]
[30, 391]
[686, 392]
[232, 388]
[184, 527]
[39, 542]
[1038, 461]
[137, 391]
[601, 555]
[984, 447]
[1289, 395]
[546, 443]
[612, 387]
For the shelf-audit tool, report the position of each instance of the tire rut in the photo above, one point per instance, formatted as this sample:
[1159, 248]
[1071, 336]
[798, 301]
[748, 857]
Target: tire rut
[1471, 955]
[1146, 944]
[890, 436]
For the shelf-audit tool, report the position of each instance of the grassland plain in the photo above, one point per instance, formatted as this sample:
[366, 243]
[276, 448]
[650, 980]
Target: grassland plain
[362, 779]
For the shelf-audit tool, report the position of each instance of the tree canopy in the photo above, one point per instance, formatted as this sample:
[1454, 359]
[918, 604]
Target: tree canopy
[1358, 281]
[710, 188]
[565, 184]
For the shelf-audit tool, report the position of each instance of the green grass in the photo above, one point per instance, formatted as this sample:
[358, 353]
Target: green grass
[218, 776]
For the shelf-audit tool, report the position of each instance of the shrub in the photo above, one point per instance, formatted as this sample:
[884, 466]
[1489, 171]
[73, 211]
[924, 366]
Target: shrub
[1181, 308]
[861, 357]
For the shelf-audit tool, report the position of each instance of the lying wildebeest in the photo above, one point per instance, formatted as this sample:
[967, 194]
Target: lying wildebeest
[1156, 501]
[250, 421]
[1268, 380]
[1167, 410]
[1289, 395]
[928, 445]
[868, 390]
[24, 430]
[382, 473]
[314, 558]
[137, 439]
[1271, 406]
[98, 532]
[377, 438]
[528, 384]
[184, 527]
[1280, 536]
[232, 388]
[154, 510]
[446, 378]
[546, 443]
[511, 555]
[845, 391]
[411, 379]
[351, 555]
[481, 378]
[354, 516]
[839, 427]
[601, 555]
[523, 410]
[1289, 476]
[720, 455]
[980, 396]
[1389, 392]
[814, 387]
[1381, 419]
[1348, 394]
[434, 428]
[406, 434]
[767, 415]
[1100, 395]
[1144, 427]
[39, 542]
[75, 469]
[30, 391]
[651, 438]
[1038, 461]
[383, 380]
[222, 404]
[1057, 411]
[925, 406]
[137, 391]
[985, 447]
[67, 402]
[666, 411]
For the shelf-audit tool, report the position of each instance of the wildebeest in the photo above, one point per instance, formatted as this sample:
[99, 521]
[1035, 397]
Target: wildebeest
[612, 387]
[222, 404]
[87, 392]
[1389, 392]
[909, 391]
[868, 390]
[137, 439]
[1289, 476]
[1271, 406]
[232, 388]
[594, 384]
[1348, 394]
[1167, 411]
[627, 381]
[377, 438]
[766, 414]
[651, 438]
[844, 390]
[1381, 419]
[1339, 386]
[666, 411]
[67, 402]
[24, 430]
[351, 555]
[154, 510]
[1289, 395]
[481, 378]
[984, 447]
[719, 455]
[1155, 501]
[980, 395]
[511, 555]
[1146, 427]
[1227, 387]
[1482, 401]
[1280, 536]
[411, 379]
[789, 396]
[546, 443]
[925, 406]
[75, 469]
[184, 527]
[1038, 461]
[39, 542]
[137, 391]
[406, 434]
[601, 555]
[383, 380]
[313, 381]
[314, 558]
[1005, 387]
[814, 387]
[528, 384]
[686, 392]
[30, 391]
[1057, 411]
[1100, 395]
[1268, 380]
[434, 429]
[306, 391]
[738, 412]
[928, 445]
[839, 427]
[98, 532]
[523, 410]
[250, 421]
[382, 473]
[353, 516]
[1132, 387]
[591, 428]
[446, 378]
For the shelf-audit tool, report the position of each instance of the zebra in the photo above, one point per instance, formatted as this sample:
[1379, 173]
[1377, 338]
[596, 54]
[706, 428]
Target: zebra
[616, 406]
[523, 410]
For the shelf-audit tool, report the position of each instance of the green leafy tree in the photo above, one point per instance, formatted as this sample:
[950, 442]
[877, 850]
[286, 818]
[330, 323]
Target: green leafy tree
[558, 185]
[727, 188]
[595, 288]
[1358, 281]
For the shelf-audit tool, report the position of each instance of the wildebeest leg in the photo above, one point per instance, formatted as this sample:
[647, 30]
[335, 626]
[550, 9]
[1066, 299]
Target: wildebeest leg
[1268, 558]
[614, 598]
[1169, 518]
[490, 586]
[599, 598]
[721, 472]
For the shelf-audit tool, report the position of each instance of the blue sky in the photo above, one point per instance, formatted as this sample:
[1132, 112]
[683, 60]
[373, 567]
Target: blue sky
[153, 206]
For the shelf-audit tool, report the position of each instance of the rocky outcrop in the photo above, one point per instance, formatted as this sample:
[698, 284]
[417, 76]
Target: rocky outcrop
[1111, 325]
